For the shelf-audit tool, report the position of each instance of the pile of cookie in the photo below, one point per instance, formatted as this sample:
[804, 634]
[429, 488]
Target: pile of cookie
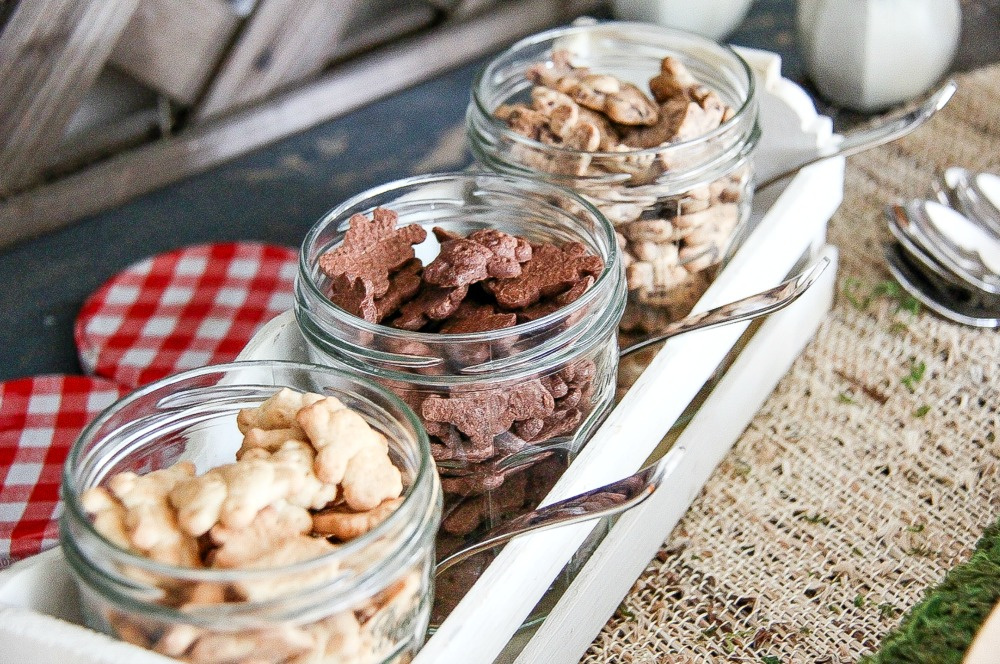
[600, 125]
[486, 281]
[501, 434]
[310, 475]
[575, 108]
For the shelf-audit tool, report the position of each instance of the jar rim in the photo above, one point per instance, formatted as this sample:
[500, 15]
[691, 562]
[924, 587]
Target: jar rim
[611, 261]
[70, 493]
[746, 106]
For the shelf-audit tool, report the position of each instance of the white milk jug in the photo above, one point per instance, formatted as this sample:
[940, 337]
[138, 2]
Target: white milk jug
[868, 55]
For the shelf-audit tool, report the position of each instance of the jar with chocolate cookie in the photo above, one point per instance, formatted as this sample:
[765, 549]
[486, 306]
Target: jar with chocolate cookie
[655, 127]
[255, 512]
[490, 305]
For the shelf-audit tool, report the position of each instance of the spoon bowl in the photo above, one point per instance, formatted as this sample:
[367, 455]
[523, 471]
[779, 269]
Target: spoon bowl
[976, 195]
[741, 310]
[910, 245]
[948, 301]
[959, 245]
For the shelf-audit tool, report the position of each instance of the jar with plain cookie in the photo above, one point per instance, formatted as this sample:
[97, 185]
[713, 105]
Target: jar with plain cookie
[490, 305]
[655, 127]
[255, 512]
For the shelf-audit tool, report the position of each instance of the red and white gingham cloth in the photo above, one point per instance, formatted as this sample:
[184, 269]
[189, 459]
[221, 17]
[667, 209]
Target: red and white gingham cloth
[40, 418]
[183, 309]
[179, 310]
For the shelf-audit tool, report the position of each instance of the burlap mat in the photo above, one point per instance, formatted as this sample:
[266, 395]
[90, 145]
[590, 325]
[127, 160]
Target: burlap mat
[863, 479]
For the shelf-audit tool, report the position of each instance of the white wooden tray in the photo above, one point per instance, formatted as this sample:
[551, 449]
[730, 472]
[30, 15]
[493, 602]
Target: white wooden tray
[790, 223]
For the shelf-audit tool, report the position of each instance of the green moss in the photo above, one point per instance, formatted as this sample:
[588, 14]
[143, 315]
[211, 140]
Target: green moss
[941, 626]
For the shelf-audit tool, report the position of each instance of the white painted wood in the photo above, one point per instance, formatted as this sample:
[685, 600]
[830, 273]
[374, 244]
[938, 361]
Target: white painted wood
[788, 120]
[279, 339]
[40, 618]
[29, 636]
[43, 584]
[636, 537]
[175, 45]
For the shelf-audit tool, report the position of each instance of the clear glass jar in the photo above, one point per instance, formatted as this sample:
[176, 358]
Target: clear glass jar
[368, 600]
[677, 207]
[506, 470]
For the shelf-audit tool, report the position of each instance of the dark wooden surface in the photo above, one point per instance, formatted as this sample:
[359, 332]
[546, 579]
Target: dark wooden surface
[276, 193]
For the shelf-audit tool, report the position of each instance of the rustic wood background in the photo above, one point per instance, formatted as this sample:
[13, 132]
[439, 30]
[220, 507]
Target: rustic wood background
[104, 100]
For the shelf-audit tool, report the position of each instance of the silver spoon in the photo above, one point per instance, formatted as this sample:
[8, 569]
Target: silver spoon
[744, 309]
[901, 229]
[955, 304]
[943, 233]
[606, 500]
[977, 195]
[885, 132]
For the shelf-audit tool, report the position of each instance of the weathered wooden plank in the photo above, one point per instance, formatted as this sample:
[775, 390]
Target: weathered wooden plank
[174, 45]
[126, 132]
[50, 53]
[283, 41]
[372, 26]
[347, 87]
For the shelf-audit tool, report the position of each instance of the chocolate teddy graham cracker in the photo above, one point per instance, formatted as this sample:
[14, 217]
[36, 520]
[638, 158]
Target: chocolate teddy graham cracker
[484, 414]
[433, 304]
[483, 254]
[551, 271]
[472, 317]
[372, 249]
[486, 281]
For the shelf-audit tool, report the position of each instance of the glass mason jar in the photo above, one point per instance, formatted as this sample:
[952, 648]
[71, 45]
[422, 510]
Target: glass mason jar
[496, 469]
[676, 207]
[368, 600]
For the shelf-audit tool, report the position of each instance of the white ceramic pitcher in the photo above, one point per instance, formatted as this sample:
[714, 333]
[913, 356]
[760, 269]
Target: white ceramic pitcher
[868, 55]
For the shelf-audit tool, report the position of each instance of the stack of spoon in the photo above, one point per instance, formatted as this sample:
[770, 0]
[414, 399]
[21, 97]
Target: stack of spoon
[947, 249]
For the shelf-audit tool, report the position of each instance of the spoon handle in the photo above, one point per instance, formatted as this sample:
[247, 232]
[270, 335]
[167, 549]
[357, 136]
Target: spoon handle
[607, 500]
[747, 308]
[884, 132]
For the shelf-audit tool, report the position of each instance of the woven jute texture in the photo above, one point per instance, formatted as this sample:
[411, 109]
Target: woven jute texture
[863, 479]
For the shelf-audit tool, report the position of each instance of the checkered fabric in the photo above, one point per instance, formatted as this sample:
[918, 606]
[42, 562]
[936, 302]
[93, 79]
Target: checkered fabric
[40, 418]
[183, 309]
